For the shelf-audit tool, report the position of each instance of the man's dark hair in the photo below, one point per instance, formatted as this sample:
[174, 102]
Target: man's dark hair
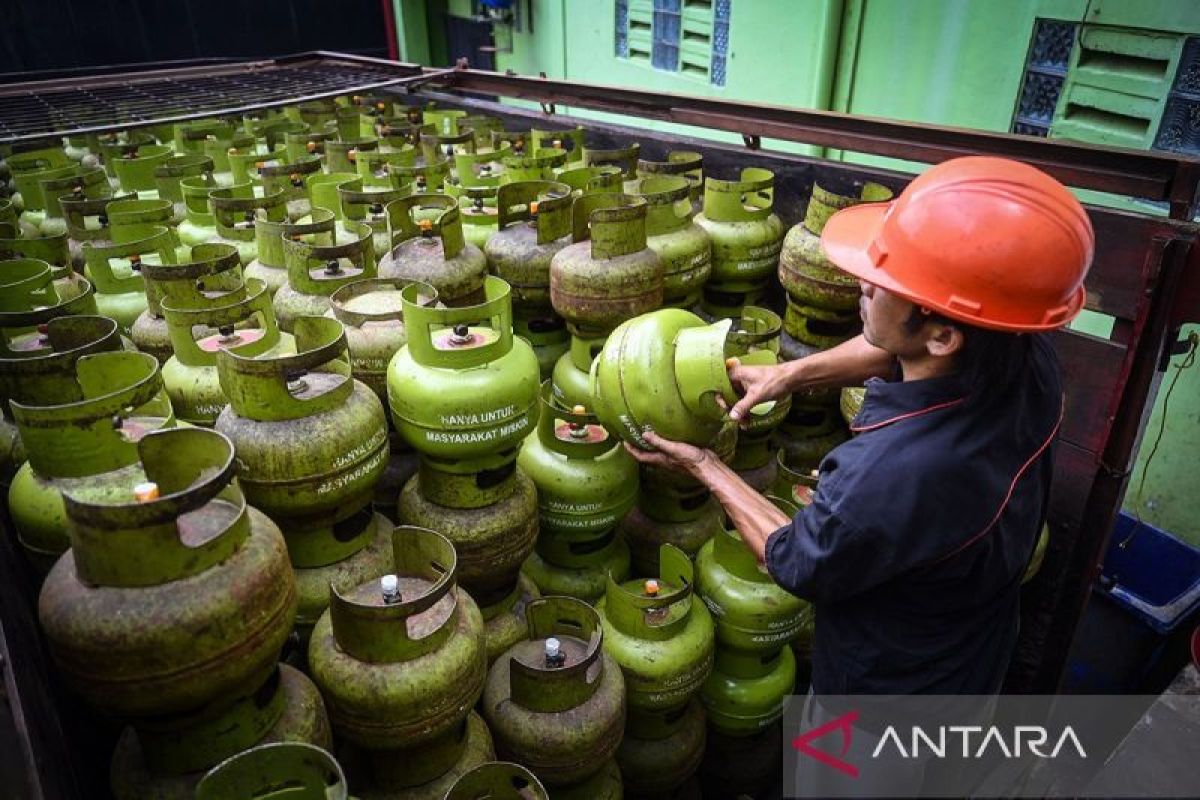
[989, 361]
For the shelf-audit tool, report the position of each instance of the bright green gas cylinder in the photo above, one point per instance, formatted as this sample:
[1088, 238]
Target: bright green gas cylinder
[245, 324]
[571, 140]
[317, 267]
[270, 265]
[533, 165]
[754, 338]
[311, 443]
[424, 177]
[124, 213]
[114, 268]
[234, 211]
[660, 633]
[683, 247]
[167, 761]
[287, 174]
[400, 658]
[625, 158]
[203, 281]
[591, 180]
[84, 437]
[555, 702]
[80, 182]
[53, 251]
[28, 171]
[375, 166]
[747, 691]
[309, 771]
[168, 174]
[135, 169]
[746, 237]
[480, 219]
[433, 250]
[498, 780]
[586, 483]
[359, 205]
[534, 221]
[166, 604]
[198, 225]
[686, 163]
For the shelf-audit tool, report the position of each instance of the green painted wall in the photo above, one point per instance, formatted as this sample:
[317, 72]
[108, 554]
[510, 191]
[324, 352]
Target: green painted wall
[944, 62]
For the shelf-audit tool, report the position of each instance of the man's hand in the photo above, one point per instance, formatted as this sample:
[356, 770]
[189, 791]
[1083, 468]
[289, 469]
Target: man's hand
[675, 456]
[756, 385]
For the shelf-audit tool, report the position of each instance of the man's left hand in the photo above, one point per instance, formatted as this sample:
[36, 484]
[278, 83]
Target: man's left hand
[674, 456]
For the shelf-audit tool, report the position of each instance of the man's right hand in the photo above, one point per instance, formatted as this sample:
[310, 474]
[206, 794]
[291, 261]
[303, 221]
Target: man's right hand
[756, 385]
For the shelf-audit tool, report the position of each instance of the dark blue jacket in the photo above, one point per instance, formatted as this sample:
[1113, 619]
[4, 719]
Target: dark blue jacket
[920, 530]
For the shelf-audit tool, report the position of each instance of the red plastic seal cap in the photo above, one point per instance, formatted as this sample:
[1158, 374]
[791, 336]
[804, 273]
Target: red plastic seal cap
[988, 241]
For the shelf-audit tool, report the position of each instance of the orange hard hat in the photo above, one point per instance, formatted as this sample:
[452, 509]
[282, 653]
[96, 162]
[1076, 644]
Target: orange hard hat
[986, 241]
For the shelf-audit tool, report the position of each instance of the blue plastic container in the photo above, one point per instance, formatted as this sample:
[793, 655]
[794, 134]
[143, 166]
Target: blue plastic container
[1149, 586]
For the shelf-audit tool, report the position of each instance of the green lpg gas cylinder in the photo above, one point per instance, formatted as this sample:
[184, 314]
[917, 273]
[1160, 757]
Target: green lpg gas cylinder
[483, 168]
[234, 211]
[168, 174]
[533, 165]
[591, 180]
[504, 619]
[437, 146]
[482, 126]
[270, 265]
[754, 338]
[608, 275]
[366, 206]
[87, 221]
[323, 189]
[820, 327]
[433, 250]
[37, 364]
[556, 701]
[317, 267]
[163, 605]
[375, 166]
[481, 220]
[752, 613]
[807, 275]
[126, 213]
[288, 174]
[135, 169]
[245, 324]
[426, 177]
[534, 220]
[341, 155]
[80, 182]
[683, 247]
[221, 149]
[570, 140]
[665, 369]
[463, 389]
[626, 158]
[586, 483]
[309, 772]
[114, 268]
[400, 658]
[88, 436]
[746, 237]
[309, 142]
[547, 334]
[445, 120]
[427, 770]
[498, 780]
[53, 250]
[166, 759]
[660, 633]
[794, 485]
[572, 372]
[28, 172]
[244, 164]
[213, 271]
[311, 442]
[687, 163]
[198, 225]
[747, 691]
[646, 535]
[191, 136]
[661, 749]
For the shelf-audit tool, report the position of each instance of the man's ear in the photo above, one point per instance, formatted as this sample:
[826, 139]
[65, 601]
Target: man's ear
[944, 340]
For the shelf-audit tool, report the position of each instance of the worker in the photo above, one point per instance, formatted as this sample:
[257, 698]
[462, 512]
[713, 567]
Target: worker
[921, 526]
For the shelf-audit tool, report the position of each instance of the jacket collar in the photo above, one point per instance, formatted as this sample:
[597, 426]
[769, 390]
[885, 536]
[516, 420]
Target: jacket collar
[888, 402]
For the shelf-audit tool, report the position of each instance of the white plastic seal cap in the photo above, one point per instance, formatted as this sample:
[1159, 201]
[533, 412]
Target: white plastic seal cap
[552, 647]
[390, 585]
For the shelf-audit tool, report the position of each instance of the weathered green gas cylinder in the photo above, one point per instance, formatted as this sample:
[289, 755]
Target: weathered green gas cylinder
[51, 250]
[683, 247]
[608, 275]
[556, 701]
[79, 182]
[752, 613]
[806, 452]
[746, 237]
[124, 213]
[245, 324]
[591, 180]
[483, 168]
[37, 364]
[445, 120]
[234, 213]
[311, 444]
[243, 164]
[793, 485]
[664, 369]
[86, 435]
[270, 266]
[747, 691]
[87, 221]
[570, 141]
[135, 169]
[114, 268]
[424, 177]
[400, 658]
[191, 136]
[820, 327]
[317, 267]
[168, 174]
[686, 163]
[586, 483]
[375, 166]
[288, 174]
[167, 760]
[534, 219]
[660, 633]
[807, 275]
[504, 618]
[437, 146]
[661, 749]
[366, 206]
[151, 613]
[433, 250]
[463, 392]
[482, 126]
[311, 141]
[220, 150]
[309, 772]
[479, 215]
[213, 271]
[29, 169]
[539, 164]
[198, 225]
[626, 158]
[341, 155]
[754, 338]
[498, 780]
[645, 534]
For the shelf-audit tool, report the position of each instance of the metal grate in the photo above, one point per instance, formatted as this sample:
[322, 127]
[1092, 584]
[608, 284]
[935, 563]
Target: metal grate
[36, 109]
[1179, 130]
[1045, 70]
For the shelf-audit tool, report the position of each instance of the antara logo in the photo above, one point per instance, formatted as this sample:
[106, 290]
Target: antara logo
[845, 724]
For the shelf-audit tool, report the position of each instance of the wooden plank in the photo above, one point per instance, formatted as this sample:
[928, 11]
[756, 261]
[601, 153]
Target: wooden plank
[1092, 369]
